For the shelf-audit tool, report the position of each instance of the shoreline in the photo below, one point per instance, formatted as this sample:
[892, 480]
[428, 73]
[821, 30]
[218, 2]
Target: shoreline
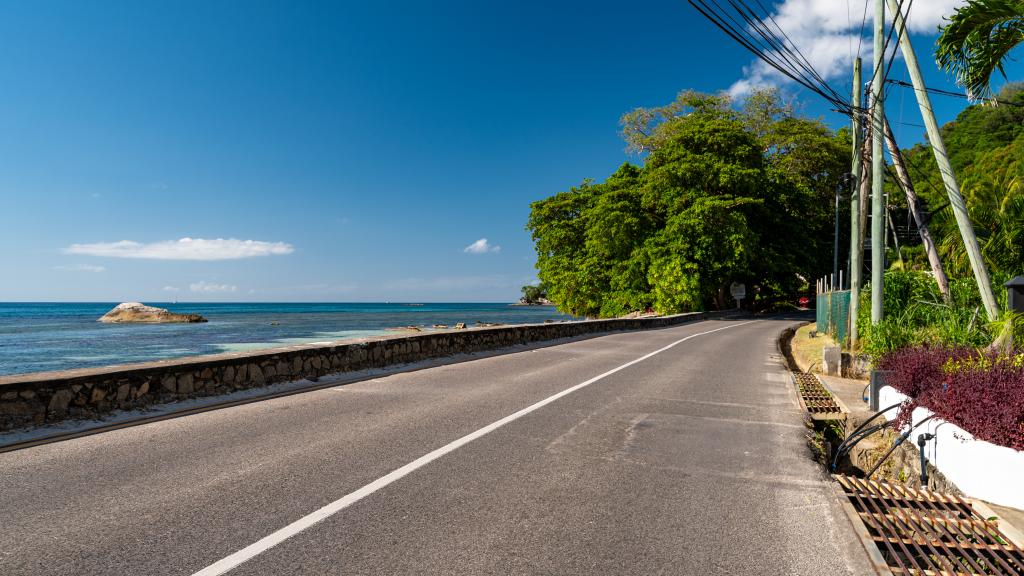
[44, 397]
[53, 337]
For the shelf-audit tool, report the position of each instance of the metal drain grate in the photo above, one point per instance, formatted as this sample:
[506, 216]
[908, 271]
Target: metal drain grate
[922, 532]
[815, 398]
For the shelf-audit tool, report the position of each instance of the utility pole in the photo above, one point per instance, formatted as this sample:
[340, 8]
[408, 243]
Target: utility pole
[895, 237]
[914, 203]
[877, 167]
[865, 184]
[856, 240]
[835, 237]
[956, 201]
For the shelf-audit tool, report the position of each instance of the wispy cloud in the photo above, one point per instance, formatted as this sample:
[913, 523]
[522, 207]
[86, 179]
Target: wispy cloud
[208, 288]
[81, 268]
[481, 246]
[827, 33]
[183, 249]
[172, 289]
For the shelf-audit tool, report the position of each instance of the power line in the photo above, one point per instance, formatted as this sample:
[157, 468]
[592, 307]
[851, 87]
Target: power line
[863, 24]
[772, 46]
[941, 92]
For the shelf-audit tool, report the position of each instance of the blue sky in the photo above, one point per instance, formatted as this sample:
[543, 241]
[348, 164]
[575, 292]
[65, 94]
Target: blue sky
[328, 151]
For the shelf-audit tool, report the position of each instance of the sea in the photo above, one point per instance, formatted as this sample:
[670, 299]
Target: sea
[37, 337]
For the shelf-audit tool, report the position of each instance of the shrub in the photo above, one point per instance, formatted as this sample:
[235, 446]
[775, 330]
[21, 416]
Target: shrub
[916, 315]
[981, 392]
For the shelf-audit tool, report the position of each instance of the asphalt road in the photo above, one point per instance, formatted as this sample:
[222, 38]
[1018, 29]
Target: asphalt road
[689, 461]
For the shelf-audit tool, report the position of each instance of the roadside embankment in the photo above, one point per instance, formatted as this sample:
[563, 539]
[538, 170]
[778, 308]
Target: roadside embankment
[47, 397]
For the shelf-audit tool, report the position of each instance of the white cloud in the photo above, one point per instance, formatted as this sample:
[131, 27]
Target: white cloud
[172, 289]
[183, 249]
[481, 246]
[826, 32]
[81, 268]
[208, 288]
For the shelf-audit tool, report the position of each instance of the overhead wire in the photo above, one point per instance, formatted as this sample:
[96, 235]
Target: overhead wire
[762, 35]
[863, 24]
[796, 48]
[941, 92]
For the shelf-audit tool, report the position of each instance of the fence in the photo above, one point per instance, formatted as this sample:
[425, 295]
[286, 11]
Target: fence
[833, 310]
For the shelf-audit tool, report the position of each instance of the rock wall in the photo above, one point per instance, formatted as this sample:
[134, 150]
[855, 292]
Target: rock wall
[46, 397]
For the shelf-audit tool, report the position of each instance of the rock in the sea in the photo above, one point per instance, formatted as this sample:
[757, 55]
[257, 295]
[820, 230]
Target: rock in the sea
[139, 312]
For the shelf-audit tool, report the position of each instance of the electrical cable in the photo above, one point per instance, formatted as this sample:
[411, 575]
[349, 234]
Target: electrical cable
[861, 427]
[751, 29]
[900, 440]
[949, 93]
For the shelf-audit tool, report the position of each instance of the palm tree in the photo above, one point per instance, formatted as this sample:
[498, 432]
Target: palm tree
[977, 40]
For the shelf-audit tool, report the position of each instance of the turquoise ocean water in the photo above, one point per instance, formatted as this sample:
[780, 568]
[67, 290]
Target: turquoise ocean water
[57, 336]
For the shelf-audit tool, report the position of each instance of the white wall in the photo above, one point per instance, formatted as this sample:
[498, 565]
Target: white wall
[979, 468]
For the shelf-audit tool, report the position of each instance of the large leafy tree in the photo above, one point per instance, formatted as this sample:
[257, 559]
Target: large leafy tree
[721, 196]
[978, 40]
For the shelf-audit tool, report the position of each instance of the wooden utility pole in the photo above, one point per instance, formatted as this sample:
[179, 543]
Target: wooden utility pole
[956, 201]
[865, 192]
[914, 203]
[856, 240]
[895, 236]
[878, 166]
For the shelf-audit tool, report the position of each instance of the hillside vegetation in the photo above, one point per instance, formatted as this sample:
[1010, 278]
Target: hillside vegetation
[986, 147]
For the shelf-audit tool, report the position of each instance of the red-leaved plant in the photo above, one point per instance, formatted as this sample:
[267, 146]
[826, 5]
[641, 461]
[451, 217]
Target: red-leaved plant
[981, 392]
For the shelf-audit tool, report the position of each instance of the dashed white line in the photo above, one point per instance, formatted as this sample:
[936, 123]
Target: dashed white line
[225, 564]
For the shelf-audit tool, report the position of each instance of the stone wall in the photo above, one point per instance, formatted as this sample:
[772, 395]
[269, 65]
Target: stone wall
[46, 397]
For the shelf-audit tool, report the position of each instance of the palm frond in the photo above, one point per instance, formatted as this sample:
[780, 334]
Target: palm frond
[978, 40]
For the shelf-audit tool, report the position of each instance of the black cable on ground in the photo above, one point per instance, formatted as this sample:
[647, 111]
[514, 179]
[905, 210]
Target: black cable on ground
[853, 434]
[902, 438]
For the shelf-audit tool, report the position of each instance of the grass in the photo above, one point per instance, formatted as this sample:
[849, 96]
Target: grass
[806, 350]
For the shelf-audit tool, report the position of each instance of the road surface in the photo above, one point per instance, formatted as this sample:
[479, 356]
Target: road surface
[672, 451]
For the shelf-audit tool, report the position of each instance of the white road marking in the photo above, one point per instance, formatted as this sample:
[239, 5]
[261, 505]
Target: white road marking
[268, 542]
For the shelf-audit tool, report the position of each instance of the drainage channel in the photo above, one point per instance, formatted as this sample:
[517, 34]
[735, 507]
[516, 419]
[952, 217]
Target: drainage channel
[924, 532]
[816, 399]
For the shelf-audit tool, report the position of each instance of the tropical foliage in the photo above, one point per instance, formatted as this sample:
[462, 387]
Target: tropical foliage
[986, 146]
[916, 314]
[534, 294]
[978, 39]
[982, 392]
[722, 195]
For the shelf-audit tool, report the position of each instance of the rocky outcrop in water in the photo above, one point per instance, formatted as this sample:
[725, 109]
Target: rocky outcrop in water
[138, 312]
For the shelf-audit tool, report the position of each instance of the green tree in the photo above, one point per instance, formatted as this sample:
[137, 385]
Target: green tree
[978, 39]
[722, 196]
[534, 294]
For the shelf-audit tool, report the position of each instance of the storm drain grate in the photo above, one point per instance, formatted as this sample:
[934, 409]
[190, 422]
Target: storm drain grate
[923, 532]
[814, 397]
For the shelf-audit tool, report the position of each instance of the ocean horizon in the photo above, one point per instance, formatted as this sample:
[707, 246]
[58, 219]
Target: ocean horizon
[46, 336]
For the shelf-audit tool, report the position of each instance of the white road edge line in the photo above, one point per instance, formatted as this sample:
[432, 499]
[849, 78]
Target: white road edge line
[224, 565]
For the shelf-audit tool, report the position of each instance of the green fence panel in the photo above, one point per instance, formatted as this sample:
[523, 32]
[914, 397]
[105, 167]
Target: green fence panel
[833, 314]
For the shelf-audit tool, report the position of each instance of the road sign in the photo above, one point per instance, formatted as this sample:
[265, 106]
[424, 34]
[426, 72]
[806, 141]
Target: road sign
[738, 291]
